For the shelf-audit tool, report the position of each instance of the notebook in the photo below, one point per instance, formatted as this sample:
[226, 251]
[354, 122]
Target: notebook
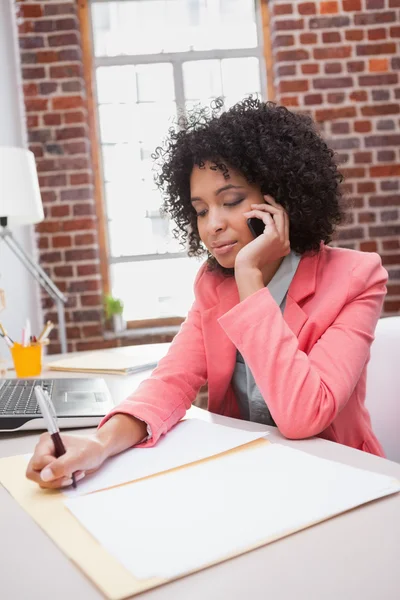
[117, 361]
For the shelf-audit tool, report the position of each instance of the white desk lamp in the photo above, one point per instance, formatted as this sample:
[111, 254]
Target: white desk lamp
[21, 204]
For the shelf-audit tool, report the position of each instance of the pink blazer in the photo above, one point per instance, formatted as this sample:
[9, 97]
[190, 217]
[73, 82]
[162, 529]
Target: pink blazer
[309, 364]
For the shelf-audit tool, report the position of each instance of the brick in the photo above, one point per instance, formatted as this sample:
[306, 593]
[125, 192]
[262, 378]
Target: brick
[386, 156]
[385, 171]
[52, 119]
[299, 85]
[65, 71]
[50, 257]
[69, 24]
[366, 187]
[39, 135]
[394, 32]
[73, 163]
[358, 96]
[329, 114]
[384, 230]
[332, 52]
[323, 83]
[377, 34]
[286, 70]
[328, 8]
[385, 125]
[31, 42]
[80, 178]
[378, 64]
[28, 58]
[289, 100]
[65, 102]
[380, 109]
[74, 333]
[328, 22]
[374, 18]
[48, 196]
[33, 73]
[341, 127]
[87, 270]
[387, 216]
[45, 165]
[65, 8]
[44, 26]
[79, 224]
[47, 87]
[47, 56]
[390, 186]
[43, 242]
[58, 180]
[395, 63]
[386, 79]
[85, 239]
[74, 117]
[289, 24]
[30, 89]
[62, 241]
[307, 8]
[362, 157]
[37, 150]
[86, 315]
[354, 172]
[376, 141]
[282, 9]
[54, 149]
[331, 37]
[375, 4]
[91, 300]
[310, 68]
[368, 246]
[312, 99]
[308, 38]
[84, 209]
[81, 255]
[366, 217]
[95, 345]
[72, 86]
[382, 48]
[380, 95]
[354, 35]
[32, 121]
[392, 306]
[63, 39]
[80, 147]
[355, 233]
[356, 66]
[332, 68]
[92, 330]
[76, 194]
[68, 133]
[35, 104]
[87, 285]
[344, 143]
[291, 55]
[30, 11]
[25, 27]
[394, 3]
[351, 5]
[70, 54]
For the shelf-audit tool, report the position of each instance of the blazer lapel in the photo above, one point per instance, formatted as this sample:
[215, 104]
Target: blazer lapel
[303, 285]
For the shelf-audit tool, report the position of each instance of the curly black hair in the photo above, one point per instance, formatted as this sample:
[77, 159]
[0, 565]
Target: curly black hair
[279, 150]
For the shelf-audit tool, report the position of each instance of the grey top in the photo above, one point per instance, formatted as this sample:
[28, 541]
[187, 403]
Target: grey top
[253, 407]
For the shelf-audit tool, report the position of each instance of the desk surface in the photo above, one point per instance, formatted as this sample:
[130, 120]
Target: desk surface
[352, 556]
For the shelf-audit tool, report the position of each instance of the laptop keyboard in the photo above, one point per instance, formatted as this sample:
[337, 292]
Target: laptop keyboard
[17, 396]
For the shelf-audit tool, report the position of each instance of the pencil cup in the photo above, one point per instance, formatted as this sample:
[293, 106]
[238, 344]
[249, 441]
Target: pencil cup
[27, 360]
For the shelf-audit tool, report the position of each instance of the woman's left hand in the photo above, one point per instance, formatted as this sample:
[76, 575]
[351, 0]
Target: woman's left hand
[273, 243]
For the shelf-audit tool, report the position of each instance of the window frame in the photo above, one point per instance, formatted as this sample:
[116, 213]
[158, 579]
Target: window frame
[90, 62]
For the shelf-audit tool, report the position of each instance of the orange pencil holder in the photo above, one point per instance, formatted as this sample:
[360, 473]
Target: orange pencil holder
[27, 360]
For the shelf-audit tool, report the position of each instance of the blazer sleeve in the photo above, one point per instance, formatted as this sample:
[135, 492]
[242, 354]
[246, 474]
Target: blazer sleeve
[162, 399]
[304, 392]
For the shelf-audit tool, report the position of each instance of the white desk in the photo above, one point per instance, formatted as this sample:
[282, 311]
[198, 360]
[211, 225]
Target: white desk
[354, 556]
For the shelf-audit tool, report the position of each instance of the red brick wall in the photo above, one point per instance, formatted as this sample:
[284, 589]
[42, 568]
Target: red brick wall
[338, 60]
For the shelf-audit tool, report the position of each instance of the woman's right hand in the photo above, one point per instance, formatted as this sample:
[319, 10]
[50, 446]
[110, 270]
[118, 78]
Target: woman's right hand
[83, 455]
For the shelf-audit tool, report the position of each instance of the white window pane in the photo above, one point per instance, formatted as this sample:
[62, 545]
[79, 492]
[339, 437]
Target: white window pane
[202, 79]
[116, 122]
[153, 121]
[155, 82]
[155, 289]
[240, 77]
[120, 160]
[116, 84]
[154, 26]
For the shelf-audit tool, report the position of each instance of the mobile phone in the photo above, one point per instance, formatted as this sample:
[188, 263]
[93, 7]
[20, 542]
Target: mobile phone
[256, 226]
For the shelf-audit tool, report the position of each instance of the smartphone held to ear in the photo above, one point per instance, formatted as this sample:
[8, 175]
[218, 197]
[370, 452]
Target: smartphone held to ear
[256, 226]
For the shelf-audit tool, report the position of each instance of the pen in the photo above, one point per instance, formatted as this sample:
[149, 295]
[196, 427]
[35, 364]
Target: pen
[7, 340]
[50, 419]
[4, 334]
[46, 331]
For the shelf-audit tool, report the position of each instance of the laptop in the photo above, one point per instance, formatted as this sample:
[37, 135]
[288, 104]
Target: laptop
[78, 403]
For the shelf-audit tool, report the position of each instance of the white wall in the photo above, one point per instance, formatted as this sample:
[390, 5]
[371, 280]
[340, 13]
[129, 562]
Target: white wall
[22, 293]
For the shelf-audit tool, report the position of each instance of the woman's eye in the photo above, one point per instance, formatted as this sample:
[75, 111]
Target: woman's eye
[202, 213]
[234, 203]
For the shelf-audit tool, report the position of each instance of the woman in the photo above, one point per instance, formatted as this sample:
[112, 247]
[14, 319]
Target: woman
[282, 324]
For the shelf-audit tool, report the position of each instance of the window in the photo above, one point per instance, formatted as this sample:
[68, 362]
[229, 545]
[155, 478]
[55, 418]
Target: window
[153, 58]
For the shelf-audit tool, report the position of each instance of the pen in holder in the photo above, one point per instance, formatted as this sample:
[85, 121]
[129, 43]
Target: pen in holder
[27, 359]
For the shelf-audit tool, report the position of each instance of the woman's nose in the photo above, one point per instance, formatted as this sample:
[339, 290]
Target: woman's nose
[216, 222]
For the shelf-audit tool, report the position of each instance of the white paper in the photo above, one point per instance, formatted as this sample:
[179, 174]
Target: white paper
[175, 523]
[189, 441]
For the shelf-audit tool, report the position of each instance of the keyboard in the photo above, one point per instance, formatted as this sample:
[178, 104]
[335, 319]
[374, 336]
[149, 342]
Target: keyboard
[17, 396]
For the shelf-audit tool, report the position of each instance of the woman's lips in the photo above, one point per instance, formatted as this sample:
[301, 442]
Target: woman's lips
[224, 249]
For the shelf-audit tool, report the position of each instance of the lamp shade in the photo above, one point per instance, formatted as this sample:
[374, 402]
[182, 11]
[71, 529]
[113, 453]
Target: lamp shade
[20, 199]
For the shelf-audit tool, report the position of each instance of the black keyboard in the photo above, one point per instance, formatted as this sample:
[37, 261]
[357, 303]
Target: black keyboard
[17, 396]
